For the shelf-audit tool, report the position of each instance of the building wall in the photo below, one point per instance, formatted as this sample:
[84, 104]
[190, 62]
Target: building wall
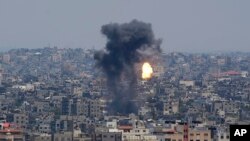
[171, 108]
[107, 136]
[223, 136]
[199, 135]
[63, 136]
[21, 120]
[173, 137]
[187, 83]
[42, 138]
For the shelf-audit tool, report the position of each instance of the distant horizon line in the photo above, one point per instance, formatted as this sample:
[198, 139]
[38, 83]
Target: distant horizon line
[5, 50]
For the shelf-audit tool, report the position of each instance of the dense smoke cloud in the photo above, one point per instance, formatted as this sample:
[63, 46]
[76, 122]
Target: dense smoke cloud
[127, 44]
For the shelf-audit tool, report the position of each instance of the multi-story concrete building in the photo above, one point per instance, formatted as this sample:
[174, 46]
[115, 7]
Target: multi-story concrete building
[21, 119]
[10, 132]
[107, 136]
[199, 134]
[223, 135]
[41, 137]
[171, 107]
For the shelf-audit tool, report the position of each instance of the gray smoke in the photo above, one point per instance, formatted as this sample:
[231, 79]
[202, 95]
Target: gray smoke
[127, 44]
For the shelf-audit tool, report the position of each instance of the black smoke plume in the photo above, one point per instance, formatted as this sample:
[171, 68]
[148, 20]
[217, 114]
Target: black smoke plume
[127, 44]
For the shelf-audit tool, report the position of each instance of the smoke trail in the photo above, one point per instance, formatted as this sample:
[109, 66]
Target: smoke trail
[127, 44]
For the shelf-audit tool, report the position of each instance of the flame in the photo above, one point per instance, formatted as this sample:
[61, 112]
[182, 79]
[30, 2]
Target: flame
[147, 71]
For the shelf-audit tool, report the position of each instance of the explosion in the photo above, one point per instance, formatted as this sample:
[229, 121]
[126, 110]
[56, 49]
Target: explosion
[127, 44]
[147, 71]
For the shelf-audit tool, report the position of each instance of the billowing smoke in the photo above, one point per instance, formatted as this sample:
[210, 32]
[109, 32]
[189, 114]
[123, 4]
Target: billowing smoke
[127, 44]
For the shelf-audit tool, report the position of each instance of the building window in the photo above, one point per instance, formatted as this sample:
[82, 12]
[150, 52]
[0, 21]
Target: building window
[205, 134]
[222, 137]
[227, 137]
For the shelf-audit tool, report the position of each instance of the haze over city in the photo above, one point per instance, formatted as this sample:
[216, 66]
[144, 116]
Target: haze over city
[134, 70]
[186, 26]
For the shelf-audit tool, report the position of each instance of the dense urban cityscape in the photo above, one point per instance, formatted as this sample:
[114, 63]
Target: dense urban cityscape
[58, 94]
[131, 70]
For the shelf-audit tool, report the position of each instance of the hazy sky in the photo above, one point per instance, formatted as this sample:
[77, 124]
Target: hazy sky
[184, 25]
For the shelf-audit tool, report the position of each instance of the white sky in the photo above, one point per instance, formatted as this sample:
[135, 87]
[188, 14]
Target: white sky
[184, 25]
